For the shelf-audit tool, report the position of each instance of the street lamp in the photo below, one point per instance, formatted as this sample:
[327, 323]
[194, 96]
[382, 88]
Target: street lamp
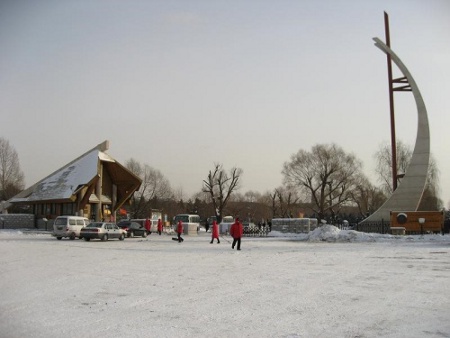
[421, 222]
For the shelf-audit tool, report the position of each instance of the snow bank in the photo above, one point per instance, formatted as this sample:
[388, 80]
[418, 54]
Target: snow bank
[330, 233]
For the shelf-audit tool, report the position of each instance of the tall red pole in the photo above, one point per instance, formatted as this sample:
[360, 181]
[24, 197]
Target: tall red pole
[391, 105]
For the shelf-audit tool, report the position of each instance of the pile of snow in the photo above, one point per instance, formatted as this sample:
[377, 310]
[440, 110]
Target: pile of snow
[331, 233]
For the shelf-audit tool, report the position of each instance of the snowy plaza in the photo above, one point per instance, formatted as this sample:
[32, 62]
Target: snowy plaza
[328, 283]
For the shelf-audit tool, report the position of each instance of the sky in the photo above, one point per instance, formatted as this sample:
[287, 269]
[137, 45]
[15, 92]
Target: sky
[182, 85]
[327, 283]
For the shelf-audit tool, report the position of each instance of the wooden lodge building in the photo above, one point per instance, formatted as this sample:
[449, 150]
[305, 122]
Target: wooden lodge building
[93, 185]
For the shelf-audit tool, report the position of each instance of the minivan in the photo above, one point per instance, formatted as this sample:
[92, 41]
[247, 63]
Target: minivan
[191, 223]
[69, 226]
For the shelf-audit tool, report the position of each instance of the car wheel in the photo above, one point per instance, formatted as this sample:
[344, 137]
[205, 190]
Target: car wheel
[87, 239]
[105, 237]
[72, 236]
[59, 238]
[122, 237]
[144, 234]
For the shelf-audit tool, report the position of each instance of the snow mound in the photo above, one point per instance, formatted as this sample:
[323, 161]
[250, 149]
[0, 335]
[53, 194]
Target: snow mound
[330, 233]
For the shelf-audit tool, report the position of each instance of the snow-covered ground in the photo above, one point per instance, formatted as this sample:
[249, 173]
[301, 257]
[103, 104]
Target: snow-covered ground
[329, 283]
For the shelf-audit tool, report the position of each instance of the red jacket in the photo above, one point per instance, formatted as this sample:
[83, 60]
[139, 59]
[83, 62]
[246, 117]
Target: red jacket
[180, 227]
[215, 230]
[147, 225]
[160, 225]
[236, 230]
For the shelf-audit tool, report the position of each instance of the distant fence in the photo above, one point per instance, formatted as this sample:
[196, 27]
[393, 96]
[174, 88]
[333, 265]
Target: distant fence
[447, 226]
[294, 225]
[18, 221]
[381, 227]
[256, 231]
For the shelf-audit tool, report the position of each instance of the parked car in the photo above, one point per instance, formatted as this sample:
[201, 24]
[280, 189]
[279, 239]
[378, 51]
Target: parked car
[133, 229]
[69, 226]
[141, 221]
[103, 231]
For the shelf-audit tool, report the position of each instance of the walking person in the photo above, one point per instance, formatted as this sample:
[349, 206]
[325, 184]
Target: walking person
[215, 232]
[148, 226]
[160, 226]
[236, 231]
[180, 231]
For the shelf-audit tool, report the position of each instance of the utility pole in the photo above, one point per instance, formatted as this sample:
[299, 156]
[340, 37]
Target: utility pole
[391, 105]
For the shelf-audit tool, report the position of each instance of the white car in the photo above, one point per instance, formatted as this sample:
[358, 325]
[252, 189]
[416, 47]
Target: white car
[103, 231]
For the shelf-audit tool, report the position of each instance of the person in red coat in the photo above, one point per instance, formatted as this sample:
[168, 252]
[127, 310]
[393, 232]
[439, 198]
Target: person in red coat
[148, 226]
[180, 231]
[236, 231]
[215, 232]
[160, 226]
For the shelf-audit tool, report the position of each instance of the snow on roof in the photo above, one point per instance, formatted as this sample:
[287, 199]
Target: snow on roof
[105, 157]
[62, 183]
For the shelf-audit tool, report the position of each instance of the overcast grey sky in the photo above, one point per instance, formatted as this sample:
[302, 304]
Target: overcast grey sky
[180, 85]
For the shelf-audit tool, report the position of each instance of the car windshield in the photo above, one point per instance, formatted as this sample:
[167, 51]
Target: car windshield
[95, 225]
[182, 218]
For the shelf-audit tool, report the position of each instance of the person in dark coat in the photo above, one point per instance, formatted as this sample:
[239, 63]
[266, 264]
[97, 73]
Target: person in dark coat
[215, 232]
[180, 231]
[160, 226]
[236, 231]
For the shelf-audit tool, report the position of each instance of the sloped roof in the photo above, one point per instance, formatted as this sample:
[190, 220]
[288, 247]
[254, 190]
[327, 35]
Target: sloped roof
[65, 182]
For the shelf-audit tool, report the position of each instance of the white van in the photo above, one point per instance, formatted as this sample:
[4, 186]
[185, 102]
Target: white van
[191, 223]
[69, 226]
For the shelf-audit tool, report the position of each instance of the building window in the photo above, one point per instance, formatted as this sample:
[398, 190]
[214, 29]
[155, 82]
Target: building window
[67, 209]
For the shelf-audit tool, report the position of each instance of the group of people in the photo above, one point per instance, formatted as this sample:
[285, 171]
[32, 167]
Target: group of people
[236, 231]
[148, 226]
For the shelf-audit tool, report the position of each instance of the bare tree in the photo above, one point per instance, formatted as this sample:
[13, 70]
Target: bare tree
[430, 199]
[383, 169]
[283, 200]
[367, 197]
[11, 177]
[252, 196]
[220, 185]
[327, 175]
[154, 187]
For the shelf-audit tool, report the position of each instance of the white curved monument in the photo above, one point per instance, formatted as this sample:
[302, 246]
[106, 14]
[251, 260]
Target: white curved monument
[409, 192]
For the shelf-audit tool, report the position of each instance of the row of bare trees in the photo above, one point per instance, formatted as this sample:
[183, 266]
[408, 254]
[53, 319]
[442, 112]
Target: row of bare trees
[323, 181]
